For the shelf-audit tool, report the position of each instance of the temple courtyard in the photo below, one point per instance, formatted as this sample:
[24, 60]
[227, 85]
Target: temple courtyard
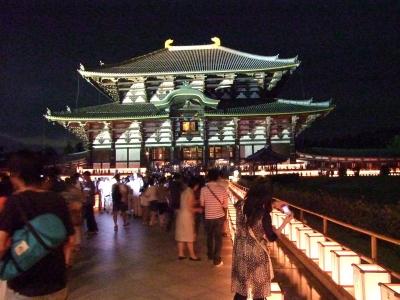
[140, 262]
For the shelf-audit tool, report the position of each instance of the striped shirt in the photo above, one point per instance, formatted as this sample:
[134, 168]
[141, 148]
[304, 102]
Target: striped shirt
[213, 207]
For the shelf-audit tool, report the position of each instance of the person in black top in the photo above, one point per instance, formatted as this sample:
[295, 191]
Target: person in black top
[119, 201]
[89, 191]
[48, 276]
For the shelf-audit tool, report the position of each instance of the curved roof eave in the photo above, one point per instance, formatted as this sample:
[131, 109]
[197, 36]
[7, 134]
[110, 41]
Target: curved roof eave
[207, 114]
[98, 119]
[100, 74]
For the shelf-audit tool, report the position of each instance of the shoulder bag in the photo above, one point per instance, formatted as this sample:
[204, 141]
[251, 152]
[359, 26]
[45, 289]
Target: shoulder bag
[216, 197]
[29, 245]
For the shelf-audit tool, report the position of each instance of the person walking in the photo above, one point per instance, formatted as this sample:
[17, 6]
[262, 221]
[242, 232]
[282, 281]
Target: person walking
[89, 192]
[136, 185]
[74, 198]
[184, 229]
[251, 264]
[214, 199]
[47, 278]
[148, 201]
[119, 193]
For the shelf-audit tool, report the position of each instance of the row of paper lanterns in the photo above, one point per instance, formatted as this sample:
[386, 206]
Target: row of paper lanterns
[370, 281]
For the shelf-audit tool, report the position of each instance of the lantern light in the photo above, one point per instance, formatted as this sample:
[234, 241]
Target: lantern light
[366, 281]
[325, 255]
[276, 292]
[311, 241]
[293, 232]
[278, 220]
[342, 270]
[390, 291]
[301, 238]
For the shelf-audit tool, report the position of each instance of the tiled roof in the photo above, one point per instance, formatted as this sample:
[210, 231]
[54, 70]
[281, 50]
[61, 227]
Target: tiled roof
[273, 108]
[338, 152]
[149, 111]
[193, 59]
[109, 111]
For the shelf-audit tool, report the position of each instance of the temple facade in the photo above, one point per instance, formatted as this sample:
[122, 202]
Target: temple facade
[189, 105]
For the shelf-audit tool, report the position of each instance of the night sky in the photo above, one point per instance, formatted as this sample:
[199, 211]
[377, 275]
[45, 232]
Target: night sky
[350, 52]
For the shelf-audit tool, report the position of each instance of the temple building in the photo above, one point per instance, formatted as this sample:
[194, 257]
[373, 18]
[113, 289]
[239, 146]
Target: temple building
[190, 105]
[352, 159]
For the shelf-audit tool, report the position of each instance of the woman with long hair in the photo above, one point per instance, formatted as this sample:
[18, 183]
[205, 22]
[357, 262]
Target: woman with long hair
[251, 264]
[185, 226]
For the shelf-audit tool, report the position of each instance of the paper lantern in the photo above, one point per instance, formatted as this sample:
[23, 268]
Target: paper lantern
[276, 292]
[293, 232]
[311, 241]
[325, 255]
[301, 238]
[366, 281]
[286, 229]
[278, 219]
[342, 270]
[273, 216]
[390, 291]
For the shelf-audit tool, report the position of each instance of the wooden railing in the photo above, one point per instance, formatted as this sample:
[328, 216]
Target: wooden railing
[240, 191]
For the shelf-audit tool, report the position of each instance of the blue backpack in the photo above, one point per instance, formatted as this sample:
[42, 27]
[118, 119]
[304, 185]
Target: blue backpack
[35, 240]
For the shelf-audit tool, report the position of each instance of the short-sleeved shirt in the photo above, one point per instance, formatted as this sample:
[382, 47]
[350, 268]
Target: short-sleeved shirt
[49, 274]
[214, 202]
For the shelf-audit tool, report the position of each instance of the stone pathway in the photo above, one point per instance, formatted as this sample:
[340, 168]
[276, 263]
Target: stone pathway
[140, 262]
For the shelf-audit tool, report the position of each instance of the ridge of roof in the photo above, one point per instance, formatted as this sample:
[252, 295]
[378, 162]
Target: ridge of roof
[233, 51]
[103, 67]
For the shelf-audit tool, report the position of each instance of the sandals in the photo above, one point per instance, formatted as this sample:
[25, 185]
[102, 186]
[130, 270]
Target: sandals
[195, 258]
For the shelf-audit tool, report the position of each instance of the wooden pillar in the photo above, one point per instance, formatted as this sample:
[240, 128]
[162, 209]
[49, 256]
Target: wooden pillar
[90, 158]
[206, 148]
[292, 145]
[112, 153]
[143, 157]
[237, 141]
[268, 122]
[112, 148]
[173, 152]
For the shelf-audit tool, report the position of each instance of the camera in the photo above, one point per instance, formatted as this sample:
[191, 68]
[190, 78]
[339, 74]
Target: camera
[286, 210]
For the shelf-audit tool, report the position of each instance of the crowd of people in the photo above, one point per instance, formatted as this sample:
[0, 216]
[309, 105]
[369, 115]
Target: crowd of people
[181, 202]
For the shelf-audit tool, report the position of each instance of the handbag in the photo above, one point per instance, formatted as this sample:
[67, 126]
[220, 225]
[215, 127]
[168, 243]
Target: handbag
[30, 244]
[266, 250]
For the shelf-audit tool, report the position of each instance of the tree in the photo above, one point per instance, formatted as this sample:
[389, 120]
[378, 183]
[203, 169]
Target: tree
[384, 170]
[68, 148]
[79, 147]
[342, 172]
[395, 144]
[50, 155]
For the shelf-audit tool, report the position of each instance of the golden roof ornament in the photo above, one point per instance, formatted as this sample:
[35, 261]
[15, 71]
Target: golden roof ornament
[217, 41]
[168, 43]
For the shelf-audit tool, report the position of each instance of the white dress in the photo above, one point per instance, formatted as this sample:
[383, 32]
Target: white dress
[184, 230]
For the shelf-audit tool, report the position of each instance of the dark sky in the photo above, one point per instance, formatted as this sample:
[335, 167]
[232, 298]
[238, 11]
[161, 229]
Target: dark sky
[350, 52]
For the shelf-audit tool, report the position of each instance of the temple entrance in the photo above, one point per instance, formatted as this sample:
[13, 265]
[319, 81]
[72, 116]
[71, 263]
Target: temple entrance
[192, 156]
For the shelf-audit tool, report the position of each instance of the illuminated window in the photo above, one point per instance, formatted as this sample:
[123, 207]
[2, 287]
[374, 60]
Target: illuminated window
[160, 153]
[189, 126]
[219, 152]
[190, 153]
